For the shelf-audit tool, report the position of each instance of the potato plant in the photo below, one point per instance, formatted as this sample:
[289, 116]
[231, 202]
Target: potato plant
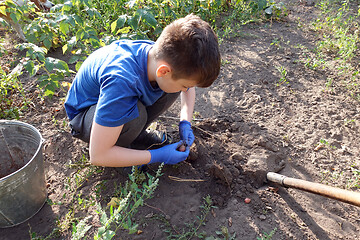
[81, 26]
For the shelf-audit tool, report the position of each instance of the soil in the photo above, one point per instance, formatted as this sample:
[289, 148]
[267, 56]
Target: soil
[246, 125]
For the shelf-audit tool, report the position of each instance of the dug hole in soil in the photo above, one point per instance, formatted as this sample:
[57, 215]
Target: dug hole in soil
[243, 117]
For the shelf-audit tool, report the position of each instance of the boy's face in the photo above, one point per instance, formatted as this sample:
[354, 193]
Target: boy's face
[169, 85]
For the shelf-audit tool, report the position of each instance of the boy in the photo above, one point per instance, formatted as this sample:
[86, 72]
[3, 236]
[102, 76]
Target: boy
[121, 88]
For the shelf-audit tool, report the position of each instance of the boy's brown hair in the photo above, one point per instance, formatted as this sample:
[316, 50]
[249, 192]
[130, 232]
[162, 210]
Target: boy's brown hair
[191, 48]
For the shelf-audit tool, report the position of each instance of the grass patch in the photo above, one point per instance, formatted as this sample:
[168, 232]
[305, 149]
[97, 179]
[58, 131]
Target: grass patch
[12, 96]
[338, 48]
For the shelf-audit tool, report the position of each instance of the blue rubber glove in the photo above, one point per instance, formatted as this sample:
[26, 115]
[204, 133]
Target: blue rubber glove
[169, 154]
[186, 133]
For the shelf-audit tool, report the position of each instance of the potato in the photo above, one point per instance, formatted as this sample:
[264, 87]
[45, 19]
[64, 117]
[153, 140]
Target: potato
[182, 148]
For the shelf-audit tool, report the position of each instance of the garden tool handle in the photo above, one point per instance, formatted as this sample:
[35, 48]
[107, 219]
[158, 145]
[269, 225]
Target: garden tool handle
[317, 188]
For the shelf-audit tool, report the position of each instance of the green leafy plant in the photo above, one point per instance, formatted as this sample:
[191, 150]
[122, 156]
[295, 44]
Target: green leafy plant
[10, 85]
[276, 43]
[313, 59]
[283, 72]
[192, 229]
[337, 29]
[43, 30]
[276, 10]
[329, 85]
[325, 143]
[354, 182]
[224, 233]
[3, 51]
[267, 236]
[337, 26]
[122, 207]
[16, 12]
[349, 122]
[241, 13]
[81, 26]
[79, 230]
[73, 197]
[34, 236]
[54, 69]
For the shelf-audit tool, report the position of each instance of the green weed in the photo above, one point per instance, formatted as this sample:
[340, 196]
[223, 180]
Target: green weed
[329, 85]
[79, 230]
[3, 51]
[224, 234]
[192, 229]
[10, 86]
[276, 43]
[314, 60]
[267, 236]
[339, 178]
[283, 72]
[334, 175]
[338, 27]
[242, 13]
[354, 181]
[34, 236]
[323, 143]
[123, 207]
[339, 30]
[276, 10]
[349, 122]
[75, 200]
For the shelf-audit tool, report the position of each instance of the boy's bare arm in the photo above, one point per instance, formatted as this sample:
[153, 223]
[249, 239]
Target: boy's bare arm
[187, 104]
[103, 151]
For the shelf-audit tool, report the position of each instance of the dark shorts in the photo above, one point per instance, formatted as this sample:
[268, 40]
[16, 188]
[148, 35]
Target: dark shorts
[81, 124]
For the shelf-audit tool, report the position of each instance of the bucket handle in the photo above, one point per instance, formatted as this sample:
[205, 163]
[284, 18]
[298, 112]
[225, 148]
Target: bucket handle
[6, 218]
[7, 146]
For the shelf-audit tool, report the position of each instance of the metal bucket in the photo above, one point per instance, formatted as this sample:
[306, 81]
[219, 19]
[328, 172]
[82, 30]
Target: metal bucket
[22, 178]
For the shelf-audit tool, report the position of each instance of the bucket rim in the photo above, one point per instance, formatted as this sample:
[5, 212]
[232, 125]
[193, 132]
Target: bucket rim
[16, 122]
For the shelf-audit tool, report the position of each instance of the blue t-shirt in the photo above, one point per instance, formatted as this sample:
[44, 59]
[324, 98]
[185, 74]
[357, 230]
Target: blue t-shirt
[115, 78]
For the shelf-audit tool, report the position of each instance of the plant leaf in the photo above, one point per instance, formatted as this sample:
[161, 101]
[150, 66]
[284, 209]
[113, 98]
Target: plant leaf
[148, 17]
[80, 229]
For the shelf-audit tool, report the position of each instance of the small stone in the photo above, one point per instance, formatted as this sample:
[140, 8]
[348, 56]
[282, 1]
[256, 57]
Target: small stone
[193, 209]
[230, 221]
[213, 213]
[262, 217]
[237, 156]
[228, 133]
[239, 194]
[268, 208]
[235, 126]
[249, 188]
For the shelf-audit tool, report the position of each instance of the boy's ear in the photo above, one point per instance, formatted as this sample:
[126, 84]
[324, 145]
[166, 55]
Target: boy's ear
[162, 70]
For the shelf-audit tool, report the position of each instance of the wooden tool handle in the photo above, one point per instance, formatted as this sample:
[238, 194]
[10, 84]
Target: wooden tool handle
[317, 188]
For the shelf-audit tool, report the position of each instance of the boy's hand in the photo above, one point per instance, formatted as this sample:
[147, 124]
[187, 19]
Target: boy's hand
[186, 133]
[169, 154]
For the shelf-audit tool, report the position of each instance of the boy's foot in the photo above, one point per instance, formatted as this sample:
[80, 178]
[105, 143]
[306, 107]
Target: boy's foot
[151, 139]
[126, 171]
